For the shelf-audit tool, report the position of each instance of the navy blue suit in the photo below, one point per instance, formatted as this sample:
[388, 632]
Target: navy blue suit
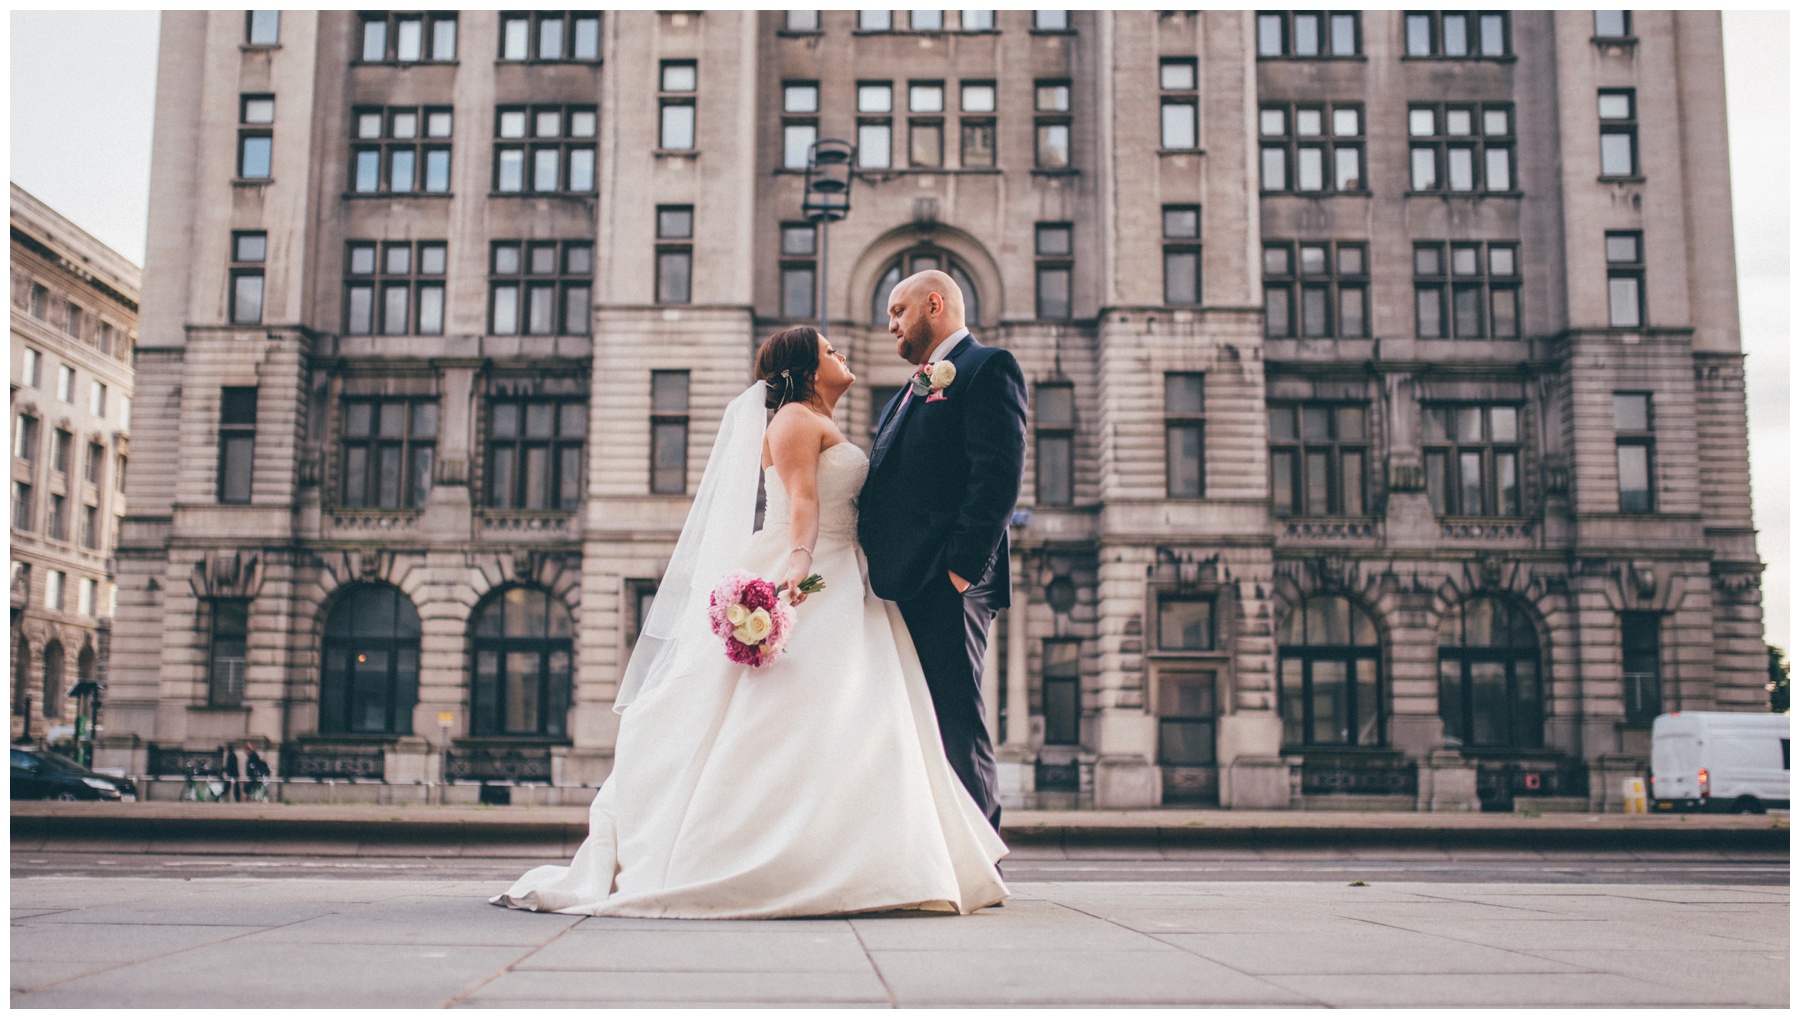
[943, 479]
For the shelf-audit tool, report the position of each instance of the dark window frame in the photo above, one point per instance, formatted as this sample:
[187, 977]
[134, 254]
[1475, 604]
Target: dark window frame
[1623, 269]
[398, 643]
[1287, 282]
[421, 147]
[674, 247]
[1178, 244]
[1289, 143]
[1286, 24]
[1188, 97]
[1178, 424]
[513, 265]
[1640, 658]
[1052, 259]
[234, 484]
[1354, 656]
[390, 43]
[1478, 142]
[271, 24]
[243, 270]
[563, 448]
[669, 418]
[1445, 286]
[1636, 438]
[1054, 433]
[1060, 688]
[1293, 444]
[528, 144]
[1474, 35]
[228, 629]
[381, 280]
[415, 454]
[505, 646]
[1625, 127]
[1457, 664]
[1445, 449]
[1048, 118]
[570, 35]
[667, 99]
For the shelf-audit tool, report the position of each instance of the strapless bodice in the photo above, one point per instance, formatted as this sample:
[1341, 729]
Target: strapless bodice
[842, 469]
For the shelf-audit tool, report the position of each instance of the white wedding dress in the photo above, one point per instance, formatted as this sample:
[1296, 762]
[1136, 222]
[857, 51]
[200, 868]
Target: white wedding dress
[814, 786]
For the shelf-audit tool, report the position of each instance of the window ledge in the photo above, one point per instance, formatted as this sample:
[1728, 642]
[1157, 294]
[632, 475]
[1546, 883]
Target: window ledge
[1066, 171]
[405, 63]
[1052, 31]
[1621, 41]
[595, 62]
[542, 194]
[364, 195]
[906, 171]
[251, 182]
[1505, 59]
[1357, 58]
[1462, 194]
[676, 153]
[220, 708]
[798, 33]
[1630, 179]
[1181, 152]
[245, 47]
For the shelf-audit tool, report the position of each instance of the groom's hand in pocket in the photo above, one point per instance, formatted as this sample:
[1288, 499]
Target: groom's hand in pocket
[957, 582]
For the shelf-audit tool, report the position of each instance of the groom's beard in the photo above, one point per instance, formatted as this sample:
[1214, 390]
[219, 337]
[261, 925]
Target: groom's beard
[916, 344]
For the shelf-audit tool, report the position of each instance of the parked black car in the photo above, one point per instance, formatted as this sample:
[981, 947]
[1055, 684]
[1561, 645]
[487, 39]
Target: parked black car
[42, 775]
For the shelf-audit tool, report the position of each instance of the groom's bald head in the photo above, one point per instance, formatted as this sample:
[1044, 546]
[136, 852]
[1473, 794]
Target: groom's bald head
[923, 310]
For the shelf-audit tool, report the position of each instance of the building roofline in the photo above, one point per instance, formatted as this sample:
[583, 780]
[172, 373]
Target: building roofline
[83, 253]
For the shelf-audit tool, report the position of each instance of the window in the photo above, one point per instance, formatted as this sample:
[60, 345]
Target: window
[97, 398]
[1181, 254]
[802, 21]
[925, 134]
[371, 673]
[1489, 693]
[1471, 294]
[1185, 624]
[119, 475]
[1186, 720]
[229, 651]
[39, 302]
[1330, 668]
[544, 148]
[640, 595]
[1052, 125]
[96, 457]
[1618, 133]
[90, 527]
[1062, 692]
[977, 97]
[24, 510]
[1612, 25]
[674, 254]
[1461, 148]
[256, 138]
[1316, 290]
[408, 38]
[237, 443]
[1308, 35]
[927, 21]
[550, 35]
[59, 518]
[1180, 80]
[25, 437]
[798, 133]
[524, 658]
[874, 130]
[534, 452]
[65, 383]
[395, 288]
[1635, 439]
[1184, 434]
[797, 270]
[388, 444]
[74, 320]
[59, 450]
[1312, 148]
[53, 590]
[1319, 454]
[678, 83]
[263, 28]
[391, 145]
[978, 21]
[919, 260]
[1472, 459]
[1055, 270]
[1054, 405]
[1640, 648]
[1050, 21]
[540, 288]
[1625, 280]
[1462, 35]
[668, 432]
[875, 21]
[249, 249]
[31, 367]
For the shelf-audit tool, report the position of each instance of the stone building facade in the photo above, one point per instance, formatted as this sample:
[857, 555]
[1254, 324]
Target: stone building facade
[1388, 439]
[74, 327]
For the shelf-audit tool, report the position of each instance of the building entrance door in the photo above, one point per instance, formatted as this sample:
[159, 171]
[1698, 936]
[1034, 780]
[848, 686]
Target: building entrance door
[1187, 735]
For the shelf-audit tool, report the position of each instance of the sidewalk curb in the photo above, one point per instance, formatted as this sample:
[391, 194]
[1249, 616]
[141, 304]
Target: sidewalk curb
[380, 836]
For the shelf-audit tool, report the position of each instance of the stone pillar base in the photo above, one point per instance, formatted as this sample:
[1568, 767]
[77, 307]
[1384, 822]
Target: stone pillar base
[1017, 768]
[407, 761]
[1254, 782]
[1126, 782]
[1447, 783]
[582, 767]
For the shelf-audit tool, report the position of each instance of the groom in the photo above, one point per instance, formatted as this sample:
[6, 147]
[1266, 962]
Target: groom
[943, 477]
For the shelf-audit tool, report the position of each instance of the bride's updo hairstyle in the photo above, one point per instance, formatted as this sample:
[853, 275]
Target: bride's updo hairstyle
[789, 363]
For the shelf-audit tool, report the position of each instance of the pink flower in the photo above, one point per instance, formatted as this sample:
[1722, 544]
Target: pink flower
[738, 596]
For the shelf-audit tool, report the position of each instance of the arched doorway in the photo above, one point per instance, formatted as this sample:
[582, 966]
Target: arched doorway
[371, 672]
[524, 653]
[1332, 693]
[53, 679]
[918, 260]
[1489, 693]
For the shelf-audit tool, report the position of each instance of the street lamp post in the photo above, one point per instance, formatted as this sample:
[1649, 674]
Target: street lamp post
[827, 199]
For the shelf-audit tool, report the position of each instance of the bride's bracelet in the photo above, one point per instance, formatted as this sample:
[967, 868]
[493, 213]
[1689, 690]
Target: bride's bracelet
[801, 548]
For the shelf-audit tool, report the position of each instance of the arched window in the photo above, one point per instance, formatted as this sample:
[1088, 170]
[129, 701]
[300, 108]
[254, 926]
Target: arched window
[919, 260]
[524, 647]
[371, 679]
[1488, 689]
[1331, 688]
[53, 679]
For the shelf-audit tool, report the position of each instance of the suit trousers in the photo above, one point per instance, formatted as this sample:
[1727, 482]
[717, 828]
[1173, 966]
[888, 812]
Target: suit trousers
[950, 631]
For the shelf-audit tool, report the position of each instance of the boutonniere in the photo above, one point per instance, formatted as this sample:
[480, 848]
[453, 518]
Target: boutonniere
[932, 378]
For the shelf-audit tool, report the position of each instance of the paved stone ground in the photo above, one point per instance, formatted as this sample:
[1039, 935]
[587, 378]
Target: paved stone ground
[311, 942]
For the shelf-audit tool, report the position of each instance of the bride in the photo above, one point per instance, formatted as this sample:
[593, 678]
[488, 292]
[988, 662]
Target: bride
[816, 785]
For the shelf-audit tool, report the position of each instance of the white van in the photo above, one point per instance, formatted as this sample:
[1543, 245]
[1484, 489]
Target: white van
[1733, 761]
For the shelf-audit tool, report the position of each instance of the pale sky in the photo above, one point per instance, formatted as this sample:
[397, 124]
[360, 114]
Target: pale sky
[83, 94]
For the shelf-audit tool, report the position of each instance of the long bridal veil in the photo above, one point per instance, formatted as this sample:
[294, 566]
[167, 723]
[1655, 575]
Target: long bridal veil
[719, 525]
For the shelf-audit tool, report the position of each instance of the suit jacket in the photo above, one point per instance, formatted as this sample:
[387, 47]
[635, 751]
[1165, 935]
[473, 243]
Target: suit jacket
[944, 476]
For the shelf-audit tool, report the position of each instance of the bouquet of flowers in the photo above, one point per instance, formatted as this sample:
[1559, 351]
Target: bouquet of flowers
[748, 614]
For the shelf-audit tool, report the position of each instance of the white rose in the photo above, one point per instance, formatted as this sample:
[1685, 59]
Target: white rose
[758, 626]
[942, 374]
[736, 614]
[742, 634]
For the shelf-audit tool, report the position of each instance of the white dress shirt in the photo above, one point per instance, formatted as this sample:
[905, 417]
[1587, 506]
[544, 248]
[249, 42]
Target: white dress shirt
[943, 349]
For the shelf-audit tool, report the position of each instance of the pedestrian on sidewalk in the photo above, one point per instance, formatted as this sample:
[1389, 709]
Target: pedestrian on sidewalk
[228, 769]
